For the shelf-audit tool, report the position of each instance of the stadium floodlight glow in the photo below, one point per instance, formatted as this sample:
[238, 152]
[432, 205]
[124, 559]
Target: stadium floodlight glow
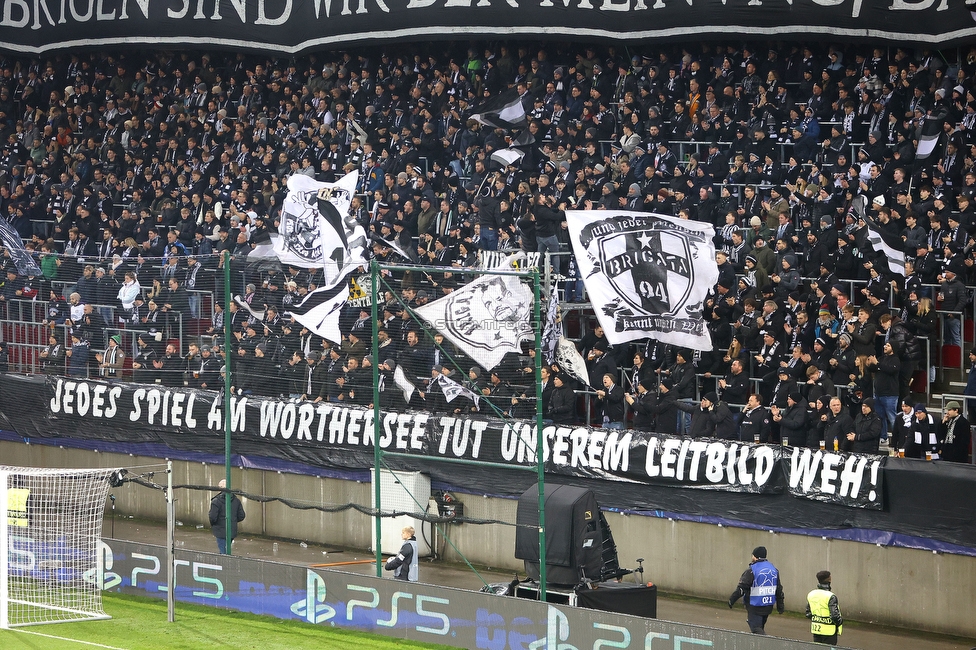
[50, 531]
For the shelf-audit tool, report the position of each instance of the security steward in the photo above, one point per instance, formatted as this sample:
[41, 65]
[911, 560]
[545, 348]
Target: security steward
[760, 588]
[826, 623]
[405, 565]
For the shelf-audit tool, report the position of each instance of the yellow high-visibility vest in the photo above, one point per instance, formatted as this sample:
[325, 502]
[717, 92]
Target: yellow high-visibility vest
[821, 621]
[17, 507]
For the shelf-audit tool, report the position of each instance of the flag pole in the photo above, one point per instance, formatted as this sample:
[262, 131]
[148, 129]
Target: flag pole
[228, 321]
[377, 454]
[539, 448]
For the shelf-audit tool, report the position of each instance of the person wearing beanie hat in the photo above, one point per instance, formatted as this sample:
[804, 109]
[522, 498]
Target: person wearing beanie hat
[824, 612]
[787, 278]
[953, 294]
[888, 373]
[611, 400]
[711, 419]
[562, 403]
[922, 440]
[760, 588]
[391, 396]
[785, 384]
[953, 434]
[110, 361]
[867, 430]
[642, 401]
[904, 422]
[793, 421]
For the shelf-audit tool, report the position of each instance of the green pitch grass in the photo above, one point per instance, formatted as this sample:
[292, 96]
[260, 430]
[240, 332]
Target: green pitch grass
[141, 623]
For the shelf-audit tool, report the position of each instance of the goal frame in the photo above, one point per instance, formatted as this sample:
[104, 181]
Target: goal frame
[67, 614]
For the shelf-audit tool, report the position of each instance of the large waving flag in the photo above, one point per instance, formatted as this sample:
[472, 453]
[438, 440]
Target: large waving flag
[486, 319]
[647, 275]
[316, 228]
[504, 111]
[317, 231]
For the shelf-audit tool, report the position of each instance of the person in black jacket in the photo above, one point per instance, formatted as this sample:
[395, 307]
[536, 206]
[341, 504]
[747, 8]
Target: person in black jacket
[710, 419]
[837, 424]
[218, 516]
[723, 422]
[887, 385]
[923, 437]
[682, 373]
[954, 434]
[867, 430]
[754, 424]
[759, 587]
[735, 386]
[665, 409]
[612, 401]
[562, 404]
[643, 403]
[793, 421]
[547, 224]
[954, 298]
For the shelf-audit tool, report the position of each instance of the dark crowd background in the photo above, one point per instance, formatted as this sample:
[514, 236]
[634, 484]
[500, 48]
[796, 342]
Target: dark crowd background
[129, 175]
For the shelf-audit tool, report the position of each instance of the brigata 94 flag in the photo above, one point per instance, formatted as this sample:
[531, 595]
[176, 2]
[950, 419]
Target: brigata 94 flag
[647, 274]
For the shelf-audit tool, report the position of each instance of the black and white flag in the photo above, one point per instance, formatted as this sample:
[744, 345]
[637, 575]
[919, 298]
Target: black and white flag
[506, 157]
[11, 241]
[550, 335]
[404, 384]
[486, 319]
[928, 138]
[317, 230]
[877, 237]
[503, 111]
[647, 275]
[569, 360]
[453, 390]
[405, 254]
[320, 311]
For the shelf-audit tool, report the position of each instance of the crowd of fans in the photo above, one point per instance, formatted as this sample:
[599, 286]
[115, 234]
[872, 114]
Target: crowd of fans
[131, 176]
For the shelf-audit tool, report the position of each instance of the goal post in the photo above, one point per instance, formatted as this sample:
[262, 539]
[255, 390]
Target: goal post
[50, 528]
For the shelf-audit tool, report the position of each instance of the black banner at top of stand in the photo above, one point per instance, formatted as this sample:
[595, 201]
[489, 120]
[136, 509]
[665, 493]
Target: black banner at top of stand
[296, 26]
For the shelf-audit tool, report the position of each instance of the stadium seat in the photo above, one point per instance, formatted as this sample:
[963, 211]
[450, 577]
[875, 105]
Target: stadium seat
[917, 383]
[968, 330]
[951, 356]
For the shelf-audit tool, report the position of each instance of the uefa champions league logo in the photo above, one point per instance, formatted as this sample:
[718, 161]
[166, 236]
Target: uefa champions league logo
[766, 578]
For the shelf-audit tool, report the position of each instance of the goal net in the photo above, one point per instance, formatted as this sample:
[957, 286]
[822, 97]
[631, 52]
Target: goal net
[50, 526]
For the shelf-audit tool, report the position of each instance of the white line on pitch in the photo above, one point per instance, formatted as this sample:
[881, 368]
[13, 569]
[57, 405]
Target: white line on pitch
[63, 638]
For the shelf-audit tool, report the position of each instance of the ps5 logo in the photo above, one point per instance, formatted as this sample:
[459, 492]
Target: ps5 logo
[366, 611]
[313, 609]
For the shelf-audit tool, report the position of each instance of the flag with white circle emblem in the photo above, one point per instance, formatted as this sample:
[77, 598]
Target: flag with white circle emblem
[647, 274]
